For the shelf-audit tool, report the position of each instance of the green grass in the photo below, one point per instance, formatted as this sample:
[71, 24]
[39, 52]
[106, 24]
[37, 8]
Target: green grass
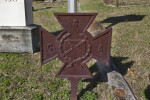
[22, 77]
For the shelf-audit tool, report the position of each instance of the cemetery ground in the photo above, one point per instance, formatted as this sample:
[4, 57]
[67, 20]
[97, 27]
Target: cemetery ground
[22, 77]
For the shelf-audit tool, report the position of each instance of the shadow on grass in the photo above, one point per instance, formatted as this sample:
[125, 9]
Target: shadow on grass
[93, 82]
[123, 67]
[56, 33]
[119, 19]
[101, 73]
[147, 92]
[44, 8]
[41, 8]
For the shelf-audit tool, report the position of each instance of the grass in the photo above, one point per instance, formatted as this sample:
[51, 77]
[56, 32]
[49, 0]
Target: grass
[22, 77]
[126, 3]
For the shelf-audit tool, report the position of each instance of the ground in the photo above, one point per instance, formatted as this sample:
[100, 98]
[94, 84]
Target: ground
[22, 77]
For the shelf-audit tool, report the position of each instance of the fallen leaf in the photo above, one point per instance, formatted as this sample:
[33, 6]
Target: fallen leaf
[130, 72]
[120, 94]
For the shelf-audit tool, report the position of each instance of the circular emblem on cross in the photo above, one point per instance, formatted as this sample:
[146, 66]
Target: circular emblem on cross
[74, 50]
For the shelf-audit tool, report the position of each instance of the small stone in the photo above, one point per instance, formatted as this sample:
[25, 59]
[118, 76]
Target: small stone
[95, 28]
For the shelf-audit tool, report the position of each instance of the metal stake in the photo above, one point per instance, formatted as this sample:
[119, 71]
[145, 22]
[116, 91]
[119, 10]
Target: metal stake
[72, 6]
[74, 87]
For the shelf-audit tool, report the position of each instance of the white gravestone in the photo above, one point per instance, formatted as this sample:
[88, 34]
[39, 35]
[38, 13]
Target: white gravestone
[17, 31]
[16, 12]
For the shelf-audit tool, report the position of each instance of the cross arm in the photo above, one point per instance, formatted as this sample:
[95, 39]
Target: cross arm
[101, 47]
[48, 43]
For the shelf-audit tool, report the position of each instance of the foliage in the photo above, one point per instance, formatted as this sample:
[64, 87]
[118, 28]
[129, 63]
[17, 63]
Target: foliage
[88, 96]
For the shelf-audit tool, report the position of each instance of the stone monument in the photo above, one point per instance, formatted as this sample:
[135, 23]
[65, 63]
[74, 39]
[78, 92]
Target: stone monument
[17, 32]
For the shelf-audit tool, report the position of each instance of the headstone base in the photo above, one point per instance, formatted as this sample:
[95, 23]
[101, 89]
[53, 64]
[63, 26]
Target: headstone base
[19, 39]
[113, 77]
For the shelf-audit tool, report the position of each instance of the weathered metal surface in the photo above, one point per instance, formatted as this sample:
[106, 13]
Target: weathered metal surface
[75, 46]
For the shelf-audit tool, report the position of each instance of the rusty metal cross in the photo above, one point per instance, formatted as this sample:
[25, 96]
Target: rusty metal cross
[75, 46]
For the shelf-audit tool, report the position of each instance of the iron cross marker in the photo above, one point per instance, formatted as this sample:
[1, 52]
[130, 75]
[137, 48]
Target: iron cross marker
[75, 46]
